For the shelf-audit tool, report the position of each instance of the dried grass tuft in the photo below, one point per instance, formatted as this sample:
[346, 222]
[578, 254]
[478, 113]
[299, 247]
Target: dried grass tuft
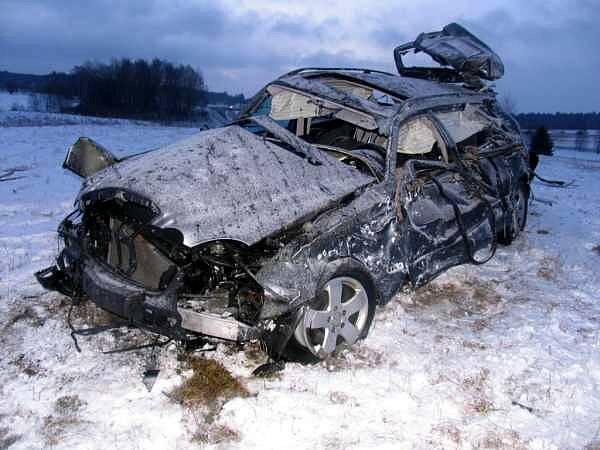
[68, 405]
[210, 382]
[215, 434]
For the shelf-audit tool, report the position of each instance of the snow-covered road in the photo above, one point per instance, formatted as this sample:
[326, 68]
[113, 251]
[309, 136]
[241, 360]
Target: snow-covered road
[505, 355]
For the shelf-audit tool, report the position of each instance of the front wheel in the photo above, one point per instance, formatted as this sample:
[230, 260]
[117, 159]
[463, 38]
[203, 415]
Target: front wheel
[340, 315]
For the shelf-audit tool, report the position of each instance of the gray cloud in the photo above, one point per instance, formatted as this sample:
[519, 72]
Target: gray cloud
[548, 47]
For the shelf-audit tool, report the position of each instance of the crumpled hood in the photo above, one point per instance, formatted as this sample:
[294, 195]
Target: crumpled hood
[228, 183]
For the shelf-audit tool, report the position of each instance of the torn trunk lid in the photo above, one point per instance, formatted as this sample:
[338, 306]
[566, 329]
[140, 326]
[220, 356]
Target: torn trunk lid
[456, 47]
[229, 183]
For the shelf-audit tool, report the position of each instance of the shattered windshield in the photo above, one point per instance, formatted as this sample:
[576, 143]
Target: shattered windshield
[318, 121]
[310, 127]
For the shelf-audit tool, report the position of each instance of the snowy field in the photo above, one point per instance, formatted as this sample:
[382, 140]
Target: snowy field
[17, 101]
[582, 140]
[505, 355]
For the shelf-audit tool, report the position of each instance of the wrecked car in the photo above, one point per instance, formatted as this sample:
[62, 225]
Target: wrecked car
[333, 190]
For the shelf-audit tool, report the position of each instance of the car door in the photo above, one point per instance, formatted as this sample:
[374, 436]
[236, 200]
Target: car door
[443, 217]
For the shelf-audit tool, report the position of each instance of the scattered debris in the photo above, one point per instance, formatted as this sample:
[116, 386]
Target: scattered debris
[9, 174]
[269, 369]
[521, 405]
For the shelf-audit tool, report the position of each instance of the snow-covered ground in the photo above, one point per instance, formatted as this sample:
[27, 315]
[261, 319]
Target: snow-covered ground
[505, 355]
[17, 101]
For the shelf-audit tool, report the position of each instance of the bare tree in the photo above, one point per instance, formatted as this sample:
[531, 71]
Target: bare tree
[580, 139]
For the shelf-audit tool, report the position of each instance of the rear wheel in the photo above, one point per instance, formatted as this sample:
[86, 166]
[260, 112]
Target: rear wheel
[340, 315]
[517, 221]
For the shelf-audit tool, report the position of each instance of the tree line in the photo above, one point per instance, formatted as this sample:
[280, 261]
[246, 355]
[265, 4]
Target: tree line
[154, 89]
[560, 121]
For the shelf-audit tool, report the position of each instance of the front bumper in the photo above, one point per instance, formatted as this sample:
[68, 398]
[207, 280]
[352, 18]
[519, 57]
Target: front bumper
[153, 310]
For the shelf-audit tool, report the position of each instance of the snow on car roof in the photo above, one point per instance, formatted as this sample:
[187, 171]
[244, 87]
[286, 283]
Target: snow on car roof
[402, 87]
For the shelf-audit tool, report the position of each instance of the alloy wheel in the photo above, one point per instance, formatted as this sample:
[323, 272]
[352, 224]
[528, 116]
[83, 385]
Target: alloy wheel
[339, 315]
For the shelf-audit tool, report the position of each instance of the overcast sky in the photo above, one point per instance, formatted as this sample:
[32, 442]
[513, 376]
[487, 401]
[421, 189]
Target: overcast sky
[551, 49]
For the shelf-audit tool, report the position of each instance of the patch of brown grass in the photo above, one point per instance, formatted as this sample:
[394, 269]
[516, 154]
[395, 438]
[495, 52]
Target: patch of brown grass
[447, 432]
[209, 383]
[27, 366]
[215, 434]
[549, 268]
[480, 325]
[55, 427]
[481, 405]
[255, 353]
[433, 293]
[473, 345]
[90, 314]
[471, 296]
[55, 303]
[355, 357]
[339, 397]
[476, 386]
[68, 405]
[477, 381]
[27, 314]
[541, 231]
[203, 395]
[484, 292]
[501, 440]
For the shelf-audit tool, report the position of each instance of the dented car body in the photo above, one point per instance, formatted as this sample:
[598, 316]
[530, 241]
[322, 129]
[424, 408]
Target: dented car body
[332, 191]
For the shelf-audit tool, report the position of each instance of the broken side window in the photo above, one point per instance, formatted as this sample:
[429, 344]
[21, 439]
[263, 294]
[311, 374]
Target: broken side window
[474, 130]
[463, 124]
[419, 138]
[416, 137]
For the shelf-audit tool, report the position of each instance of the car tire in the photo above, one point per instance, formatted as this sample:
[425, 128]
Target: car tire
[514, 225]
[340, 315]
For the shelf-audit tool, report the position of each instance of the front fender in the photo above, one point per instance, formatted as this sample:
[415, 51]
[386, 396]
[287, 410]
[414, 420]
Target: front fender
[290, 285]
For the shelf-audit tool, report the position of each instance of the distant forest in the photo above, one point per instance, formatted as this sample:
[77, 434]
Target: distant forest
[560, 121]
[154, 89]
[158, 89]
